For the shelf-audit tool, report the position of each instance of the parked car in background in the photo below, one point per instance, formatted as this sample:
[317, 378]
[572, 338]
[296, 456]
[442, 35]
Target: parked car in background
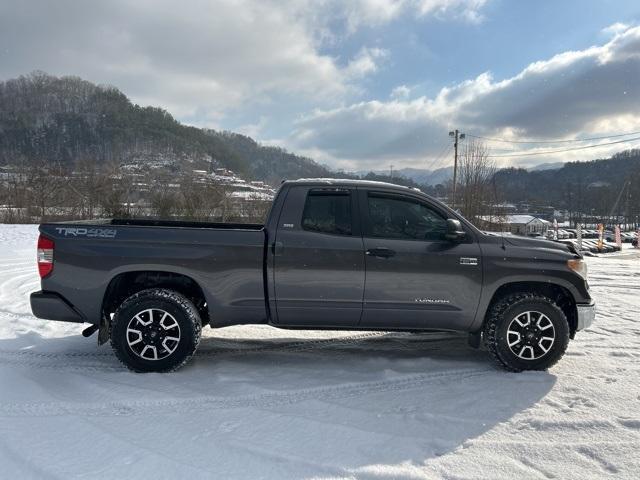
[590, 245]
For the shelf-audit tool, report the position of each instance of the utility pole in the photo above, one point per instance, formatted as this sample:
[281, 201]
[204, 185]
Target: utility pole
[617, 204]
[456, 135]
[627, 214]
[391, 172]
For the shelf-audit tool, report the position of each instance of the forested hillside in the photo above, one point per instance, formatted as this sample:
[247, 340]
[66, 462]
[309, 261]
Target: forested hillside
[582, 186]
[64, 120]
[271, 164]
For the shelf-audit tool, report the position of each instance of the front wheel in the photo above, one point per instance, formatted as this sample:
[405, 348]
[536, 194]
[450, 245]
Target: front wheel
[526, 331]
[155, 330]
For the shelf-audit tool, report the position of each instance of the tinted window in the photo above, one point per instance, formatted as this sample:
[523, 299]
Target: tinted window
[327, 212]
[393, 217]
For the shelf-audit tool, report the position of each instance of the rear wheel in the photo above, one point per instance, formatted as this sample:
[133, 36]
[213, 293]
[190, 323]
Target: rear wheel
[155, 330]
[525, 331]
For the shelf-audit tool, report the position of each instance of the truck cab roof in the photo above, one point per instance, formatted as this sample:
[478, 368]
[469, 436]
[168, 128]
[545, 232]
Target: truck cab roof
[347, 182]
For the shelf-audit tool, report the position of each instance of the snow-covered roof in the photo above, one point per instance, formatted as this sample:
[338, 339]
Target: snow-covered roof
[520, 219]
[250, 195]
[513, 219]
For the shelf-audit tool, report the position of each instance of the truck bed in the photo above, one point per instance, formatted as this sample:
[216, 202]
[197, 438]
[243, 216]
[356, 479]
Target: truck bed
[225, 259]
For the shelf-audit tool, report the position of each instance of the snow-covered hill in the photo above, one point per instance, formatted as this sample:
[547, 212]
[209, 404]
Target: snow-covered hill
[257, 402]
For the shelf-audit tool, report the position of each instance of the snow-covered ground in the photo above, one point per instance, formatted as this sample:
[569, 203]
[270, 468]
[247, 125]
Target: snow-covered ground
[257, 402]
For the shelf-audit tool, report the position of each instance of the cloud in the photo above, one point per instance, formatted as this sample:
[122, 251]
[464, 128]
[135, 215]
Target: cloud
[366, 62]
[615, 28]
[355, 14]
[578, 93]
[204, 59]
[469, 10]
[400, 92]
[368, 12]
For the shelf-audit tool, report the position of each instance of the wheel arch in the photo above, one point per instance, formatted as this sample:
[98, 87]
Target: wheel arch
[558, 293]
[128, 283]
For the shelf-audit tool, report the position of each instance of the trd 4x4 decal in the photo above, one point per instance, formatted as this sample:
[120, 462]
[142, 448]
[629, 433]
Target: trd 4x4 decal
[87, 232]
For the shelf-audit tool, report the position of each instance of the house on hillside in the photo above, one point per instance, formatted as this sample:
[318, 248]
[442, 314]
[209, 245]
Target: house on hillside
[516, 224]
[9, 173]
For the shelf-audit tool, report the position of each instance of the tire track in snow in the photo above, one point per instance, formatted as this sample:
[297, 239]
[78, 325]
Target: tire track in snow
[264, 400]
[22, 280]
[8, 286]
[590, 454]
[61, 360]
[289, 346]
[24, 263]
[300, 345]
[77, 367]
[536, 469]
[90, 360]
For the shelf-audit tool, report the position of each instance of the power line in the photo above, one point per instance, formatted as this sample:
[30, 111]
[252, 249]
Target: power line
[549, 152]
[438, 158]
[552, 141]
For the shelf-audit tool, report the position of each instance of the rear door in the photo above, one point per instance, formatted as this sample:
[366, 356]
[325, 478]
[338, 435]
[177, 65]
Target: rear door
[415, 278]
[319, 259]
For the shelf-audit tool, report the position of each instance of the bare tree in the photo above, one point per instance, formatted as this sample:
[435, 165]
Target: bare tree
[44, 184]
[254, 208]
[86, 187]
[192, 200]
[14, 196]
[163, 195]
[117, 188]
[475, 174]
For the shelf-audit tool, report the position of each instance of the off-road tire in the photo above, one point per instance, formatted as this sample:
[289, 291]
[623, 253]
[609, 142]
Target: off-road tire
[497, 323]
[177, 305]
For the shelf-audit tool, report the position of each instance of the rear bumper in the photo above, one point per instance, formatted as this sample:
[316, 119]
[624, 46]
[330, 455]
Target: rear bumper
[586, 315]
[51, 306]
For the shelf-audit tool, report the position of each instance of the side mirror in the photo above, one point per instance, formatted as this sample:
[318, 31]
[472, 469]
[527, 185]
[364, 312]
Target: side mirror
[455, 233]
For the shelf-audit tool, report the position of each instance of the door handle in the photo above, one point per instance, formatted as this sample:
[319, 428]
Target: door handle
[381, 252]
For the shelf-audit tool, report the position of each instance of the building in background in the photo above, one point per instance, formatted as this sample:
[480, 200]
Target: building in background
[516, 224]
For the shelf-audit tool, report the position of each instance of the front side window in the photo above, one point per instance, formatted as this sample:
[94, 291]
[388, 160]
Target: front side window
[328, 212]
[404, 218]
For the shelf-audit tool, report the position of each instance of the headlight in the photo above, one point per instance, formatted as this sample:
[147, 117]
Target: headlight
[579, 266]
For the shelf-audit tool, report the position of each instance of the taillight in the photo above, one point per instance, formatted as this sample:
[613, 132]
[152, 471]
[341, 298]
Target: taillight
[45, 256]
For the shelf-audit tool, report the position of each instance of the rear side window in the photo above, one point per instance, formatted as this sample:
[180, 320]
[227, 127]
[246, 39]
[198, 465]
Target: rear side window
[327, 212]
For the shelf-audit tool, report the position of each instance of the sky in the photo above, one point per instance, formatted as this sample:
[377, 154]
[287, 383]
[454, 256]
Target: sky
[357, 84]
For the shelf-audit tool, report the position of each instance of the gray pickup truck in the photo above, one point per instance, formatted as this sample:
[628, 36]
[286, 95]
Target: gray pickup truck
[333, 254]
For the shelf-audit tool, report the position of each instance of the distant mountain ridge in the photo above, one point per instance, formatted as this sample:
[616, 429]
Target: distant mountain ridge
[428, 177]
[444, 174]
[546, 166]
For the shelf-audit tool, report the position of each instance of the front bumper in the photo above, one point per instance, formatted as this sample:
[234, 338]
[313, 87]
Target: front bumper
[51, 306]
[586, 315]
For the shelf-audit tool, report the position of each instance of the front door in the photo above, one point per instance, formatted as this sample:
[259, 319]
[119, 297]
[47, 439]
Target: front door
[415, 278]
[319, 259]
